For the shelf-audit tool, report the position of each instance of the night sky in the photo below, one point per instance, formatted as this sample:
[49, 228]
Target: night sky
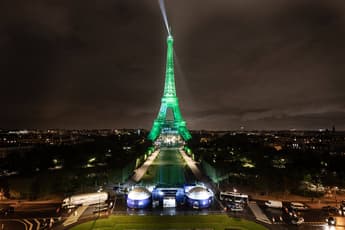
[268, 64]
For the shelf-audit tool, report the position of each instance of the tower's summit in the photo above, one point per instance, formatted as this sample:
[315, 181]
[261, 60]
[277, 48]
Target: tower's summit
[169, 102]
[169, 87]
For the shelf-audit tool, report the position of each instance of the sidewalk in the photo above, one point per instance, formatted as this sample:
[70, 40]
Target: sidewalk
[259, 215]
[140, 172]
[191, 164]
[74, 216]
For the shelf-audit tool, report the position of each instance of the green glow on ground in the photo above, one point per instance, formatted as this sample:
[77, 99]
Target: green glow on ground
[167, 168]
[214, 222]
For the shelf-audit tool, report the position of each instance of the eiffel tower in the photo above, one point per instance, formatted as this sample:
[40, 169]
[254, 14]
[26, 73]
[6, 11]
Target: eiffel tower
[169, 119]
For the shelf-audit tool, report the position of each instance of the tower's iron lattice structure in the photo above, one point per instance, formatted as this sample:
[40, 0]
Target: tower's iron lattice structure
[169, 102]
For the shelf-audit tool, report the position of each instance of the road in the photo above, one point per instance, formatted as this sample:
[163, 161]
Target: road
[14, 223]
[31, 216]
[314, 219]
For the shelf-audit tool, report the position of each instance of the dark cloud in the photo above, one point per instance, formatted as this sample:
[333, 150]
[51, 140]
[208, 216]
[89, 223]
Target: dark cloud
[272, 64]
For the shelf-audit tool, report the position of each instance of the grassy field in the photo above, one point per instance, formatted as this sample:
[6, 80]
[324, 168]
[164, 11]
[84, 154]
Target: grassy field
[209, 222]
[168, 168]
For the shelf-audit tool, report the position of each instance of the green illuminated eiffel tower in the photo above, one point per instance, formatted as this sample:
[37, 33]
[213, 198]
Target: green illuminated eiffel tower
[169, 102]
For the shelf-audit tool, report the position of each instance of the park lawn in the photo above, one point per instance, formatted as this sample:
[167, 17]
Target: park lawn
[214, 222]
[171, 168]
[167, 168]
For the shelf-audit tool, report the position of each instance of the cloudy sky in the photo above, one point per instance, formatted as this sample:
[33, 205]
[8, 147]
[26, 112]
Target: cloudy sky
[268, 64]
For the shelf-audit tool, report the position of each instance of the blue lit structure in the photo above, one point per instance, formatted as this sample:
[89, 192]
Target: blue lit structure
[160, 193]
[139, 197]
[199, 197]
[194, 196]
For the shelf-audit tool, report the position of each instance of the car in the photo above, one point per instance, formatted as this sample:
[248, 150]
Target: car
[298, 206]
[289, 212]
[274, 204]
[341, 210]
[277, 219]
[297, 220]
[234, 207]
[331, 220]
[330, 209]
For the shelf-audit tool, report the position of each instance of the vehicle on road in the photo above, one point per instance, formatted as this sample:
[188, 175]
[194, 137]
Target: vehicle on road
[331, 220]
[234, 196]
[297, 220]
[100, 207]
[330, 209]
[298, 206]
[234, 207]
[274, 204]
[85, 199]
[289, 213]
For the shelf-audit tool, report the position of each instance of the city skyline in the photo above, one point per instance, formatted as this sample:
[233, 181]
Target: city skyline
[270, 65]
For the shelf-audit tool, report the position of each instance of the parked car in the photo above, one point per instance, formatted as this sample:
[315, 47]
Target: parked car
[274, 204]
[341, 210]
[234, 206]
[331, 220]
[330, 209]
[297, 220]
[298, 206]
[288, 213]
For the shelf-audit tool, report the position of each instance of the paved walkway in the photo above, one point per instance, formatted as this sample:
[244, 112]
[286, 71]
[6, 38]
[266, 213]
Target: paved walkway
[191, 164]
[74, 217]
[140, 172]
[259, 215]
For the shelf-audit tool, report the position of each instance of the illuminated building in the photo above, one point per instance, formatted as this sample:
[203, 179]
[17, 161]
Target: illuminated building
[199, 197]
[139, 197]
